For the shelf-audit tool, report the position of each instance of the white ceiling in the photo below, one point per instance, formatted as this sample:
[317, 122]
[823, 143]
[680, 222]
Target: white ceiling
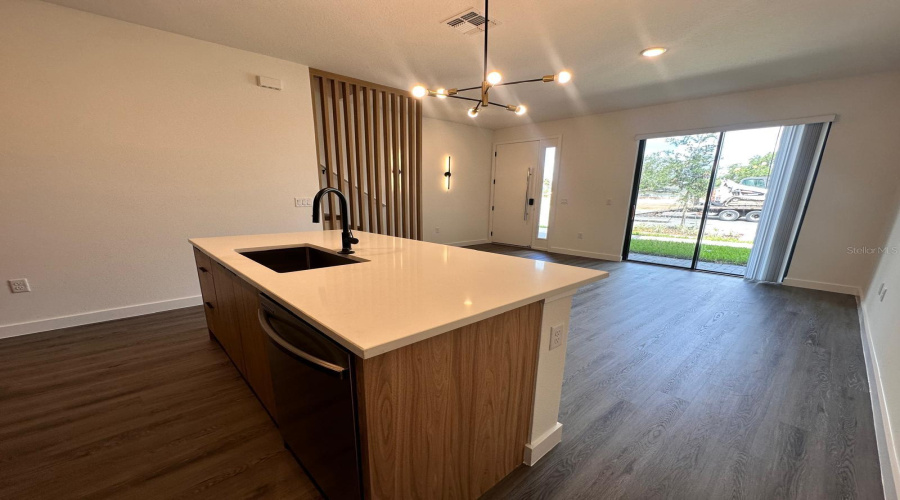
[716, 46]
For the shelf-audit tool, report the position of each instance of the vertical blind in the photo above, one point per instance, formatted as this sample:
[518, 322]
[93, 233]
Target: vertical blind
[369, 144]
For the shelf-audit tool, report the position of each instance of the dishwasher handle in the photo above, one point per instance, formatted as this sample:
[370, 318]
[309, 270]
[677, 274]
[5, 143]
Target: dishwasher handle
[331, 368]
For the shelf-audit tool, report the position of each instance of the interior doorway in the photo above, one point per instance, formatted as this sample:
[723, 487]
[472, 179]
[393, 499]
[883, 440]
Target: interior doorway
[524, 179]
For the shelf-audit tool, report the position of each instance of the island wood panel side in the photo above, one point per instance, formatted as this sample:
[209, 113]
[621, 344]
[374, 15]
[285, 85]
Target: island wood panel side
[448, 417]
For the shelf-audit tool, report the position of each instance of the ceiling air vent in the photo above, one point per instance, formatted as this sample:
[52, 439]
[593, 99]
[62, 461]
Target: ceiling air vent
[469, 22]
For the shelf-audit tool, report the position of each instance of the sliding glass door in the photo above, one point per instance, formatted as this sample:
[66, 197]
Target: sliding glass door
[669, 201]
[698, 199]
[736, 204]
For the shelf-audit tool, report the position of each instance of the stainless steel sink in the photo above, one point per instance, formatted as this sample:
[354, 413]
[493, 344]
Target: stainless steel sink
[291, 259]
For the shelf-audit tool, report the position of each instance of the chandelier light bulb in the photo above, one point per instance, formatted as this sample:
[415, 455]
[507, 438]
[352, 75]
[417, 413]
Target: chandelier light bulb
[521, 109]
[419, 91]
[473, 112]
[494, 77]
[564, 77]
[441, 93]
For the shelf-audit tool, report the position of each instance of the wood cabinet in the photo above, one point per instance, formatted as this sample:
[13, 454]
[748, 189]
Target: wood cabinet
[445, 417]
[231, 307]
[253, 343]
[207, 288]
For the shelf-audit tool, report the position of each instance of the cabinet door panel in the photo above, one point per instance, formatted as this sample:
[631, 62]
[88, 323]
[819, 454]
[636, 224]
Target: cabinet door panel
[207, 288]
[228, 331]
[253, 338]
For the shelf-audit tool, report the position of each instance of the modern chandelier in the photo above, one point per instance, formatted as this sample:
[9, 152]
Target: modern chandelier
[489, 81]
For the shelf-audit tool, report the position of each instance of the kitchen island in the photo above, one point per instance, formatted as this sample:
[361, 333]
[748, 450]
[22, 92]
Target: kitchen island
[455, 357]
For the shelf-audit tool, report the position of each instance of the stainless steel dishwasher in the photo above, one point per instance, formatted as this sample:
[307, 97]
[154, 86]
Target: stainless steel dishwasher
[316, 400]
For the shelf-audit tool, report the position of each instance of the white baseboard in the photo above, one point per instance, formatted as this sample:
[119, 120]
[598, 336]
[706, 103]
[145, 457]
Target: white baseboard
[585, 253]
[43, 325]
[884, 437]
[535, 450]
[821, 285]
[467, 243]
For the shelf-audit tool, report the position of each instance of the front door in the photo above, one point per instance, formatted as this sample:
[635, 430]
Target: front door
[515, 171]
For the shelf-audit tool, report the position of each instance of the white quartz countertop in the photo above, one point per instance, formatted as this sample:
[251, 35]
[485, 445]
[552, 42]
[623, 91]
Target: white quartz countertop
[407, 291]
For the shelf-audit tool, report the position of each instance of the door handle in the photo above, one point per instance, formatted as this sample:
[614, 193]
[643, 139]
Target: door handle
[333, 369]
[527, 189]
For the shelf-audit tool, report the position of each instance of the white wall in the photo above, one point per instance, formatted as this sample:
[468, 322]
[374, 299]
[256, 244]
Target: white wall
[858, 171]
[118, 143]
[882, 321]
[462, 212]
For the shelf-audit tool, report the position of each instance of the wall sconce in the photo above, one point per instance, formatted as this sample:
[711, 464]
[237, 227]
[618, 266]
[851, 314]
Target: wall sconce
[447, 173]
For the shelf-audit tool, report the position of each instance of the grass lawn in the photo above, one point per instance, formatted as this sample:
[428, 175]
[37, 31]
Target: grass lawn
[677, 249]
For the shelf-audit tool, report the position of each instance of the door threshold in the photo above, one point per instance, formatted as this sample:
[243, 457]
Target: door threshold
[707, 271]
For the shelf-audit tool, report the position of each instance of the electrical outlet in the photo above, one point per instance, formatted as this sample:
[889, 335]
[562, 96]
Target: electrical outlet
[302, 202]
[556, 333]
[19, 285]
[437, 230]
[580, 236]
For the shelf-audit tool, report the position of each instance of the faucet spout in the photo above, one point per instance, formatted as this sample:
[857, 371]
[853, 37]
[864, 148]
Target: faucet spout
[347, 238]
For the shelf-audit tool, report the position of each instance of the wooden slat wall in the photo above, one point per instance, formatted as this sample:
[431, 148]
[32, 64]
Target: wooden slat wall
[369, 140]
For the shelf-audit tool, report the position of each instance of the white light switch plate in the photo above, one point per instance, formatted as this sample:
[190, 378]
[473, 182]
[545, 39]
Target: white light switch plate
[556, 334]
[302, 202]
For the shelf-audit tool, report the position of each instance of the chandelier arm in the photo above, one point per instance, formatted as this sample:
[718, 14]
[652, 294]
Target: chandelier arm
[520, 81]
[498, 104]
[464, 98]
[469, 88]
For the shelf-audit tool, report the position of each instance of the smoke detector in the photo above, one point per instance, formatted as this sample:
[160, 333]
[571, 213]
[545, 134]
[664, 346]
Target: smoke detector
[469, 22]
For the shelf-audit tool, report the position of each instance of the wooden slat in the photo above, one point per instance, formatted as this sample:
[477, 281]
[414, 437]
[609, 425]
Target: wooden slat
[325, 92]
[316, 88]
[404, 162]
[377, 105]
[395, 145]
[372, 143]
[360, 152]
[336, 120]
[351, 159]
[419, 222]
[411, 170]
[387, 104]
[370, 167]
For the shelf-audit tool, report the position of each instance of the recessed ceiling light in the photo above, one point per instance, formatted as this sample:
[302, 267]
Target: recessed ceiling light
[653, 51]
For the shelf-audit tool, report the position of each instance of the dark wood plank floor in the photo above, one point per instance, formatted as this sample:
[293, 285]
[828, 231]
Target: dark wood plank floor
[691, 385]
[678, 385]
[144, 407]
